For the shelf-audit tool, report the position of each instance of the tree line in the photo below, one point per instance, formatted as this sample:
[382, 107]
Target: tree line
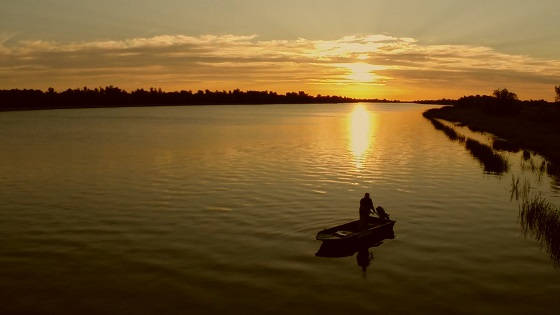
[111, 96]
[505, 102]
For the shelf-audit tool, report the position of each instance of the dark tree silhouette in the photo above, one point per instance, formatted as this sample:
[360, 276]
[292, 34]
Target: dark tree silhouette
[503, 102]
[505, 96]
[506, 103]
[557, 90]
[443, 101]
[111, 96]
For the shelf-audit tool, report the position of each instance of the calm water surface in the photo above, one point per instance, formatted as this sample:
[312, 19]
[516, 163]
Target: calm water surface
[214, 209]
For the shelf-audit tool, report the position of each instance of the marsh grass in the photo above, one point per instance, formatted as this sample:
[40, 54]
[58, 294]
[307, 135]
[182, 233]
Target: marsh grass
[538, 217]
[449, 132]
[514, 188]
[520, 191]
[541, 219]
[492, 162]
[536, 168]
[503, 145]
[536, 128]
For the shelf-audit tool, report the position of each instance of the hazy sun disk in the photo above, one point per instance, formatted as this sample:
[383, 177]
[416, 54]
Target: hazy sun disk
[360, 133]
[361, 72]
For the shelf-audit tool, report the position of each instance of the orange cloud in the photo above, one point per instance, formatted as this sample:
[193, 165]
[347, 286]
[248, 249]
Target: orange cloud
[358, 65]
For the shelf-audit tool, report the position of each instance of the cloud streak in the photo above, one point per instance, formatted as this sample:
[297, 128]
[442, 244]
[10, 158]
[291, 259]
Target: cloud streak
[358, 65]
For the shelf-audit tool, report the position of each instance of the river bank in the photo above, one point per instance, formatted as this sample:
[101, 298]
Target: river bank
[519, 131]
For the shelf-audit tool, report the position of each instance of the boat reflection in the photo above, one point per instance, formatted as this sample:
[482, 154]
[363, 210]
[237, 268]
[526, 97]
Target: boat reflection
[362, 247]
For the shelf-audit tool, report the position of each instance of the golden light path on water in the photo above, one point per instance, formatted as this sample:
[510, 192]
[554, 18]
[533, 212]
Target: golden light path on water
[361, 126]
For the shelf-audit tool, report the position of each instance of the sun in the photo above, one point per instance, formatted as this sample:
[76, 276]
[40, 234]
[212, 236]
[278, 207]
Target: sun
[361, 72]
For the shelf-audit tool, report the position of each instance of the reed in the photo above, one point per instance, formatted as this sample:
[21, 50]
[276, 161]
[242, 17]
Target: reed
[536, 168]
[514, 188]
[542, 219]
[449, 132]
[503, 145]
[536, 128]
[492, 162]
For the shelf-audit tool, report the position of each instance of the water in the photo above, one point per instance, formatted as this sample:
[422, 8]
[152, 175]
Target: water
[214, 209]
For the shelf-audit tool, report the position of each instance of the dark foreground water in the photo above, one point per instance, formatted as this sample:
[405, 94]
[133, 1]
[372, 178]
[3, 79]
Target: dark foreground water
[214, 210]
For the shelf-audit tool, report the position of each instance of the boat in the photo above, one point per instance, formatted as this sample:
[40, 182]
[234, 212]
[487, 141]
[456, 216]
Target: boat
[349, 233]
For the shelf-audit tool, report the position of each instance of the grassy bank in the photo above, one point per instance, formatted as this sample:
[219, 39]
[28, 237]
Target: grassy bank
[527, 128]
[492, 162]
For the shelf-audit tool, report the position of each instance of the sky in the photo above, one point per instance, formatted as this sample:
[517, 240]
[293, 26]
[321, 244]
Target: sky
[395, 49]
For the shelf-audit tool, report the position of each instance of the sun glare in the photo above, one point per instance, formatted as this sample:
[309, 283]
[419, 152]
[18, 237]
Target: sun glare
[361, 72]
[360, 132]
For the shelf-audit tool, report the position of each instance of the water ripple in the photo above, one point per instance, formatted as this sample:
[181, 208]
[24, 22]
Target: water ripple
[147, 210]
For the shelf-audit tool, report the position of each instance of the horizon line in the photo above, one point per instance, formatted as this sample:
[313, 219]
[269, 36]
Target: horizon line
[229, 91]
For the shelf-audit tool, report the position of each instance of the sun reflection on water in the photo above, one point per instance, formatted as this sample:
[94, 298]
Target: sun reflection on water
[360, 133]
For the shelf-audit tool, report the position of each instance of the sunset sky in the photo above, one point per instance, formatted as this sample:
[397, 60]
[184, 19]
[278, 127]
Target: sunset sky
[374, 49]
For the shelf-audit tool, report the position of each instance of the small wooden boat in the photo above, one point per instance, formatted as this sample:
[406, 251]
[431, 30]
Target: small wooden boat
[350, 232]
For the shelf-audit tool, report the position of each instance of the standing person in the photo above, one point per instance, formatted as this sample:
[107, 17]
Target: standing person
[366, 207]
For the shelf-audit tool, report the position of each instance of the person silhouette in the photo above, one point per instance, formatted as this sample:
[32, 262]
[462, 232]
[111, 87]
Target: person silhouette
[366, 207]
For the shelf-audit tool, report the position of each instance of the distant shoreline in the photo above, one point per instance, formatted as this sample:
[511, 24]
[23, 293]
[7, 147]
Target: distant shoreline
[14, 109]
[109, 97]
